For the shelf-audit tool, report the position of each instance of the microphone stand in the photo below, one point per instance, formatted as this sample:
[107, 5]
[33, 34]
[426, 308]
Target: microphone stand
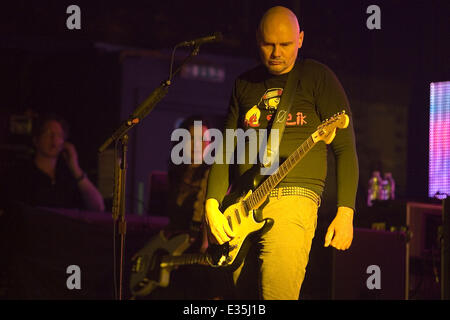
[120, 137]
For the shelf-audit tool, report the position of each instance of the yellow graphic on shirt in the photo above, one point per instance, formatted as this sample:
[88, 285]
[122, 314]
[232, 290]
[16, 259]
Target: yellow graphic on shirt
[252, 117]
[271, 99]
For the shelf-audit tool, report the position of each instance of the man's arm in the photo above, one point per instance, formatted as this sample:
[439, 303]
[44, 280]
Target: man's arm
[218, 181]
[332, 99]
[92, 198]
[340, 231]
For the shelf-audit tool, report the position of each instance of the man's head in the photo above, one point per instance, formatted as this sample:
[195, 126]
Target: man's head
[49, 135]
[279, 39]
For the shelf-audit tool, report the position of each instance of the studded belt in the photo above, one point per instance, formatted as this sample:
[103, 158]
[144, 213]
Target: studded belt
[295, 191]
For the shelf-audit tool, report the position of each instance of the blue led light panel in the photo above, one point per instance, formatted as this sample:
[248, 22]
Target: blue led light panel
[439, 149]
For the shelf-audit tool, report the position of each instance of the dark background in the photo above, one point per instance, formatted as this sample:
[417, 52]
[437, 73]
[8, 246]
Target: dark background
[386, 73]
[80, 74]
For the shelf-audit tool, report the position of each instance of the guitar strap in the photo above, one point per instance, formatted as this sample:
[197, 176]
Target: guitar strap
[270, 161]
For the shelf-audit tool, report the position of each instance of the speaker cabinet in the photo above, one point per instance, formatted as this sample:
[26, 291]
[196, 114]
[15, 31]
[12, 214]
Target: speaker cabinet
[374, 268]
[409, 260]
[423, 221]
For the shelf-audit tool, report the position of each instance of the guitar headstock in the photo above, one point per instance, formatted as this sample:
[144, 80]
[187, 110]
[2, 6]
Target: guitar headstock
[327, 130]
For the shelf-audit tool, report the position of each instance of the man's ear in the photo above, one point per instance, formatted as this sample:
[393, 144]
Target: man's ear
[300, 39]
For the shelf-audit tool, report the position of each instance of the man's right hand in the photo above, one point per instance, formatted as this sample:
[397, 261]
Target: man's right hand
[219, 230]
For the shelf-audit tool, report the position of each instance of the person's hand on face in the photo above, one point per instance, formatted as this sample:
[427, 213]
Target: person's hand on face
[70, 155]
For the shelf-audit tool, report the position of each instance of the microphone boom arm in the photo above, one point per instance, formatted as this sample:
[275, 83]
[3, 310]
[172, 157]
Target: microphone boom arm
[147, 106]
[120, 167]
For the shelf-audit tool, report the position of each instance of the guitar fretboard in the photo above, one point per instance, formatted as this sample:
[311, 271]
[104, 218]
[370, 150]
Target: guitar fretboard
[264, 189]
[185, 259]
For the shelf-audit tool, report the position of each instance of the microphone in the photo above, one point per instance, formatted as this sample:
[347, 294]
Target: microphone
[216, 37]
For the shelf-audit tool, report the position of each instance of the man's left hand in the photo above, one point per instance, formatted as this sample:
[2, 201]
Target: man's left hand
[340, 231]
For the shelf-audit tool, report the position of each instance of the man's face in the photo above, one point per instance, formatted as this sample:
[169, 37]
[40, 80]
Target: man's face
[278, 44]
[51, 141]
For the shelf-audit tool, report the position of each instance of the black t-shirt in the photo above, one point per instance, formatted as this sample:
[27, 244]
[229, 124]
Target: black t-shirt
[33, 187]
[185, 205]
[319, 96]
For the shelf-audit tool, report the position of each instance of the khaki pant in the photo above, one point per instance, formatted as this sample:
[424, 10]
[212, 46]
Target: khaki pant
[275, 266]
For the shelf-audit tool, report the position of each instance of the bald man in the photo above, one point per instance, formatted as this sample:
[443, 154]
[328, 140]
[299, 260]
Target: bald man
[281, 255]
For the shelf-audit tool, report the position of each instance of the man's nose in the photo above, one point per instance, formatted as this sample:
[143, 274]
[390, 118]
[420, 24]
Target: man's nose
[276, 51]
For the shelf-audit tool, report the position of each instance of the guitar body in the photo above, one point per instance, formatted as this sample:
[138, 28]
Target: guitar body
[246, 224]
[242, 207]
[146, 272]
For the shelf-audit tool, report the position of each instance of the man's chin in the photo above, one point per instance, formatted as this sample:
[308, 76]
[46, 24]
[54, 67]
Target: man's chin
[276, 69]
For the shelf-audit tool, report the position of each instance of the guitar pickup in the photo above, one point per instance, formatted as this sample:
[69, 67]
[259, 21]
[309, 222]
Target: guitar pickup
[238, 216]
[137, 265]
[230, 222]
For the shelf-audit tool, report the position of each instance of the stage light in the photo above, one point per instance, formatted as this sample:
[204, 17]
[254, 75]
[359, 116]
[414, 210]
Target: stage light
[439, 148]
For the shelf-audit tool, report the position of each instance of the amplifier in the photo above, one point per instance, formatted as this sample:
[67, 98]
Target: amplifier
[373, 268]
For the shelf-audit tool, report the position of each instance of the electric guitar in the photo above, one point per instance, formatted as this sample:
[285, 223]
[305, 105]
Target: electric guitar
[151, 266]
[153, 263]
[241, 206]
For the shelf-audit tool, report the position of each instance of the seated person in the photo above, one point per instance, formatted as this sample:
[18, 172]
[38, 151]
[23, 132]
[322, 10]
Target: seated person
[54, 177]
[185, 209]
[187, 185]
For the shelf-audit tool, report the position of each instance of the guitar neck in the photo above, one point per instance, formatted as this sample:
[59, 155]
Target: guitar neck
[271, 182]
[185, 259]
